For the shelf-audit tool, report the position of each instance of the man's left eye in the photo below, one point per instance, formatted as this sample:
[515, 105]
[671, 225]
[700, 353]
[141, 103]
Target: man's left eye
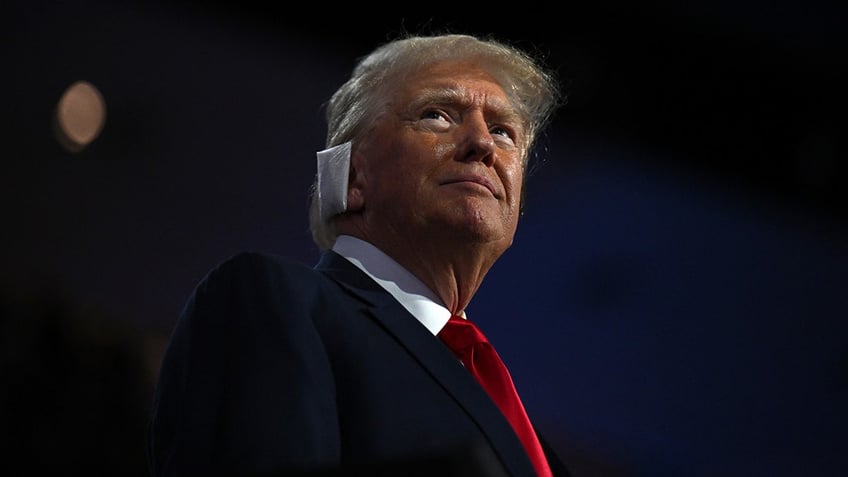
[500, 131]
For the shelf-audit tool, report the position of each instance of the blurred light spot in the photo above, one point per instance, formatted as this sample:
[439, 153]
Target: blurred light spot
[79, 116]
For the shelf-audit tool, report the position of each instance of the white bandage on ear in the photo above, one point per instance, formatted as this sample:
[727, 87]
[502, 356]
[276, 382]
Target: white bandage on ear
[333, 174]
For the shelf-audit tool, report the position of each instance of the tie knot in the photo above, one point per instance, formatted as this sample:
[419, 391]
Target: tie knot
[460, 334]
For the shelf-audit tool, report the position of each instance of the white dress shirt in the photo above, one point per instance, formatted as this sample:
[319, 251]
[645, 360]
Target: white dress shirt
[411, 292]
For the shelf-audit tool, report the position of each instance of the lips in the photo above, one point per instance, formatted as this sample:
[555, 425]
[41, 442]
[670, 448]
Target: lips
[475, 179]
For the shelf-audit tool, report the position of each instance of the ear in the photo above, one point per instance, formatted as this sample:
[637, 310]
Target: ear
[356, 182]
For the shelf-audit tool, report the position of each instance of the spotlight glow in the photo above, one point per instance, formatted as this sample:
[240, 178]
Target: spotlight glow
[79, 116]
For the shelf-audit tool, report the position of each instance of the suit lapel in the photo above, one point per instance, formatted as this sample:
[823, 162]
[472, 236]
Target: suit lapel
[432, 356]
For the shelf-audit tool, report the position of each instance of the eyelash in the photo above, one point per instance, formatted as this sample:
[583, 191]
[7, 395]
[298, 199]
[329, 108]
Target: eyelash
[436, 114]
[502, 131]
[431, 114]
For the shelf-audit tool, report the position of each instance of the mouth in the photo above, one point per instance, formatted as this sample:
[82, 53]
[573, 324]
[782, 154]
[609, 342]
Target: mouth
[473, 180]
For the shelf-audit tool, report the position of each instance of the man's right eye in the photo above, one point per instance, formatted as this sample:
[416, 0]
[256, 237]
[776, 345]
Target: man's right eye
[434, 114]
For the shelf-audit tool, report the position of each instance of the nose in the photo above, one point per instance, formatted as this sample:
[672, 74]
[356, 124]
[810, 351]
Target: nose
[476, 142]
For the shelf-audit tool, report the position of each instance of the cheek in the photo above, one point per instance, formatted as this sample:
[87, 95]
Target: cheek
[444, 149]
[513, 177]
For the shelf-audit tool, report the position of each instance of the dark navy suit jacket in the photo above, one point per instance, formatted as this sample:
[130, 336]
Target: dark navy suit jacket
[276, 368]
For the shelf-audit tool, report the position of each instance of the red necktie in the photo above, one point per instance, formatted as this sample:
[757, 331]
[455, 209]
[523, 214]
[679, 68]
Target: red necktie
[472, 348]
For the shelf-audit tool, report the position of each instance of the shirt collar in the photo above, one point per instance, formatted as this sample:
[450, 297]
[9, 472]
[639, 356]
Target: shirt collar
[411, 292]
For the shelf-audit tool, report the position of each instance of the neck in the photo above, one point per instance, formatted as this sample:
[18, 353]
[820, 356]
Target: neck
[454, 272]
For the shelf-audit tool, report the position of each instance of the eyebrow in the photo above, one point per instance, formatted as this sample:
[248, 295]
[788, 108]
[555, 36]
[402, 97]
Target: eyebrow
[502, 110]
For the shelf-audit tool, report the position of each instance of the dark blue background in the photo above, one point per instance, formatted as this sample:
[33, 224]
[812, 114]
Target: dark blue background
[674, 302]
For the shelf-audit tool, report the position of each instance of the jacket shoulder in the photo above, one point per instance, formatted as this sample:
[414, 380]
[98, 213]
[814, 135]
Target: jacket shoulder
[253, 261]
[253, 268]
[255, 281]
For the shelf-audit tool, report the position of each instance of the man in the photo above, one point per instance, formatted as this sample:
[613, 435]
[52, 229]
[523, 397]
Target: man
[275, 368]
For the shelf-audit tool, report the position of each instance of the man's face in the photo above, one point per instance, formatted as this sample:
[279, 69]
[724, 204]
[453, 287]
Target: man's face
[443, 161]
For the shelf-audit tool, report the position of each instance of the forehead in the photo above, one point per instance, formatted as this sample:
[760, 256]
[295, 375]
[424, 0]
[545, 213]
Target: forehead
[453, 80]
